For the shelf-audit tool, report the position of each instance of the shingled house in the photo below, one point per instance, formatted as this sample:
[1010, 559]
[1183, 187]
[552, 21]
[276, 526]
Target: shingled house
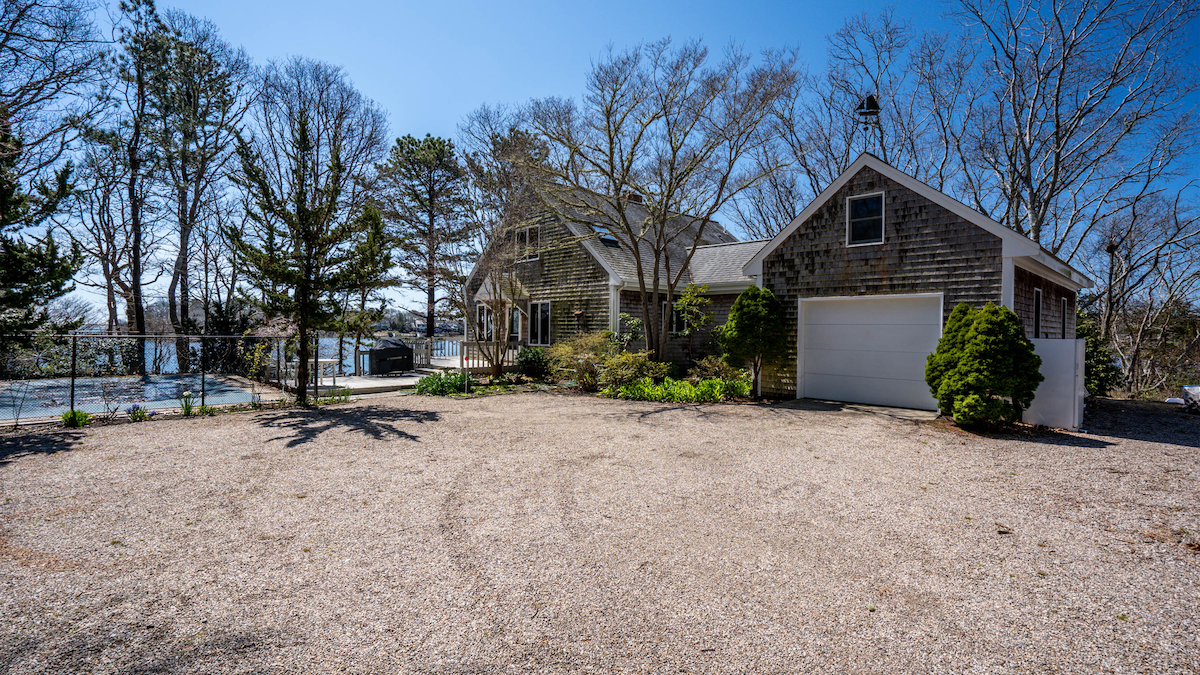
[576, 279]
[867, 275]
[869, 272]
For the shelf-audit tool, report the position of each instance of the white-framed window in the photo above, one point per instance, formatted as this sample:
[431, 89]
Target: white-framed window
[1064, 318]
[864, 219]
[514, 324]
[528, 240]
[539, 323]
[1037, 313]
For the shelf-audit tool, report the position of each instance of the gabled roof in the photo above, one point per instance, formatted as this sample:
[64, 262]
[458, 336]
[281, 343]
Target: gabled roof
[1014, 244]
[619, 261]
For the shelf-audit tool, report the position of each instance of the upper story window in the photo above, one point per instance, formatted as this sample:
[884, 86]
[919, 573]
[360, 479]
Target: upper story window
[527, 243]
[864, 220]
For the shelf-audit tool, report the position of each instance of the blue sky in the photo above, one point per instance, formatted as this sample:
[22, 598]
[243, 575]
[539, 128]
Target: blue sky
[429, 63]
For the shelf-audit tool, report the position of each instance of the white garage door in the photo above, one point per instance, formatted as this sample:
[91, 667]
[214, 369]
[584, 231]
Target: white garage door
[869, 350]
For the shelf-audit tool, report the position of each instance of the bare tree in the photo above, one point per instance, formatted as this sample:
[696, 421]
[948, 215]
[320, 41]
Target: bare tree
[197, 107]
[1088, 101]
[662, 124]
[498, 199]
[50, 57]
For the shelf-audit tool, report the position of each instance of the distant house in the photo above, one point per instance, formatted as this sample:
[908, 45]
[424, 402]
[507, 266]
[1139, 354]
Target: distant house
[870, 270]
[578, 280]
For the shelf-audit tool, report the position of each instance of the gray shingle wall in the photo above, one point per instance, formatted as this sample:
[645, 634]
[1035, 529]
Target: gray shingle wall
[568, 277]
[1024, 283]
[927, 249]
[702, 343]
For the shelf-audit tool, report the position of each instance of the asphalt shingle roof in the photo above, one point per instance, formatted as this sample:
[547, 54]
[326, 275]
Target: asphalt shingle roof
[717, 264]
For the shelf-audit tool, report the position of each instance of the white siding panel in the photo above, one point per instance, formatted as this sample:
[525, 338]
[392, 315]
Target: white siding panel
[870, 350]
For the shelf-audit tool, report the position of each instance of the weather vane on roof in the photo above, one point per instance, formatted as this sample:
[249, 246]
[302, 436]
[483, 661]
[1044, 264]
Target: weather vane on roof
[868, 116]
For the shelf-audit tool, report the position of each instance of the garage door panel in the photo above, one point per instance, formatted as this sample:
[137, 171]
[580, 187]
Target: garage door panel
[898, 311]
[872, 391]
[886, 338]
[863, 364]
[869, 350]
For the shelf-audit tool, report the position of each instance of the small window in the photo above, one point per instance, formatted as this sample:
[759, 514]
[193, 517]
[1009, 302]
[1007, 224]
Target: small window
[604, 236]
[1064, 318]
[864, 220]
[514, 325]
[528, 240]
[539, 323]
[1037, 313]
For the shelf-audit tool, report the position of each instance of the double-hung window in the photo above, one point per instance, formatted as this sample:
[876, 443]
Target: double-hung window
[864, 220]
[484, 324]
[539, 323]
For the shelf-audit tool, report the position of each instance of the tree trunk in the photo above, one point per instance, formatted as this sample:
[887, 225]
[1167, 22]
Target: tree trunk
[302, 352]
[430, 299]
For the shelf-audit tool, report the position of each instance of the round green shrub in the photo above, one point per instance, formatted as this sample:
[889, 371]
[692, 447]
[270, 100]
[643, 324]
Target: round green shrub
[533, 362]
[986, 372]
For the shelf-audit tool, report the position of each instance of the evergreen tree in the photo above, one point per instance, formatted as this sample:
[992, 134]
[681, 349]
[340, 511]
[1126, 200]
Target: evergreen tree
[949, 350]
[422, 187]
[1100, 374]
[755, 332]
[299, 248]
[33, 271]
[995, 371]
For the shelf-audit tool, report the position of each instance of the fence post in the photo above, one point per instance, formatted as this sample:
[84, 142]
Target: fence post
[74, 346]
[203, 369]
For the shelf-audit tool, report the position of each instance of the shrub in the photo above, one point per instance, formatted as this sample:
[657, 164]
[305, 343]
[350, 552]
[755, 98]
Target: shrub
[678, 391]
[74, 419]
[1100, 374]
[628, 367]
[988, 373]
[716, 368]
[755, 332]
[443, 383]
[581, 359]
[533, 362]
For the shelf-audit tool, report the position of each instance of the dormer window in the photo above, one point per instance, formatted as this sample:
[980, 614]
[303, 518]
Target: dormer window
[864, 220]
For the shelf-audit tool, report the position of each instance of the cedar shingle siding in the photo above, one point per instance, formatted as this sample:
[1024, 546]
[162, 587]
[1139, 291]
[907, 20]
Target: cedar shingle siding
[703, 342]
[926, 249]
[567, 276]
[1024, 283]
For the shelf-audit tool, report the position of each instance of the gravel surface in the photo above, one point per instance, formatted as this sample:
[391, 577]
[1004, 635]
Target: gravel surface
[561, 533]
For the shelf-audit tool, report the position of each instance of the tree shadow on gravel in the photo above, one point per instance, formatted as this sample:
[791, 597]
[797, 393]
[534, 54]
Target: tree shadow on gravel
[306, 424]
[142, 649]
[18, 445]
[1148, 421]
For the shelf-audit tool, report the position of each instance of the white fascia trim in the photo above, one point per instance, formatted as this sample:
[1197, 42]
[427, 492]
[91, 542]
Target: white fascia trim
[875, 296]
[1008, 280]
[1014, 244]
[1045, 265]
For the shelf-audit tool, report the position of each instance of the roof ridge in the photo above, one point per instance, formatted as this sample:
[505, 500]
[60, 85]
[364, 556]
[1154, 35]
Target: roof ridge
[732, 243]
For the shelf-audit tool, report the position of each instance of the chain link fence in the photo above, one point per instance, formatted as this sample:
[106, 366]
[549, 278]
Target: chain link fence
[108, 376]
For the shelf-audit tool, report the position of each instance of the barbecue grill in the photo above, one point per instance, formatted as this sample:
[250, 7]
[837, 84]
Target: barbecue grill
[389, 355]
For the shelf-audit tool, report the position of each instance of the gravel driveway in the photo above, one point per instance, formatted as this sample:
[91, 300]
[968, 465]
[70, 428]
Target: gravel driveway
[561, 533]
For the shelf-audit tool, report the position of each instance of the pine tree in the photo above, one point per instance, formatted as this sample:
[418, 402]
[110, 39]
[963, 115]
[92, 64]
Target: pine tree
[422, 192]
[755, 332]
[33, 271]
[311, 260]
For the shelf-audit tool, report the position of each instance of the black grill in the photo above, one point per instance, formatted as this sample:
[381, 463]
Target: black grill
[390, 355]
